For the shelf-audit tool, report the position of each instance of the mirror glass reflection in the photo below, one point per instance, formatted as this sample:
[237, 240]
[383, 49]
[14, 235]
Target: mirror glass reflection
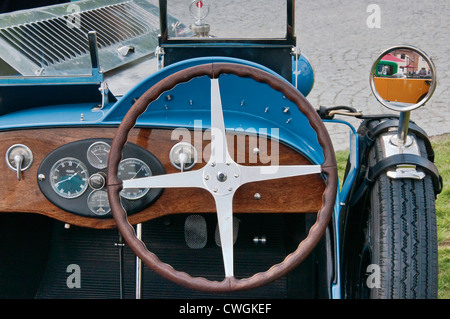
[403, 78]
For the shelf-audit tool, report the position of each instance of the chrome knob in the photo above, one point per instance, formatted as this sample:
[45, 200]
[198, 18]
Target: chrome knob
[183, 156]
[19, 158]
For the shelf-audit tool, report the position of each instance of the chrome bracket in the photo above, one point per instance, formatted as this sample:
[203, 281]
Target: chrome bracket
[405, 171]
[392, 147]
[95, 67]
[104, 91]
[296, 52]
[159, 54]
[125, 50]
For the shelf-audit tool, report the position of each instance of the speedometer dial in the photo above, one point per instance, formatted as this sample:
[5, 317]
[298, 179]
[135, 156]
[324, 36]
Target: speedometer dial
[69, 177]
[131, 168]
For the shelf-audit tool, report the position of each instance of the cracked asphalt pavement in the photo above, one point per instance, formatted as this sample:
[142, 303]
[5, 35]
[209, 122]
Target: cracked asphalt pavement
[335, 36]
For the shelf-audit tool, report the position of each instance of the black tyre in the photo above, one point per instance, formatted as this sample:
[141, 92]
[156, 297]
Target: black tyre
[399, 255]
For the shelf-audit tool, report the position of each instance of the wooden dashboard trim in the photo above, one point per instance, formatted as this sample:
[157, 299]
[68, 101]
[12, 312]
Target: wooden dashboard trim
[290, 195]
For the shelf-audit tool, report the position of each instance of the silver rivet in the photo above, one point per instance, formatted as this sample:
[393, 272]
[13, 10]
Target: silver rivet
[41, 177]
[213, 164]
[206, 177]
[215, 189]
[289, 120]
[230, 188]
[256, 151]
[266, 110]
[236, 175]
[257, 196]
[285, 110]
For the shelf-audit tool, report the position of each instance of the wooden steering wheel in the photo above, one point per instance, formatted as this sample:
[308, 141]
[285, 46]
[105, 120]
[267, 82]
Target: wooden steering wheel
[226, 177]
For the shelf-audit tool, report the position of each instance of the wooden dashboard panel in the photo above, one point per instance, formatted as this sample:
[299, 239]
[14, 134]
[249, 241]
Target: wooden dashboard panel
[290, 195]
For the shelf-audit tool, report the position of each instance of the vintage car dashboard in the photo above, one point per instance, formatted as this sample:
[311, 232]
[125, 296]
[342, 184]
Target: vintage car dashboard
[66, 177]
[73, 177]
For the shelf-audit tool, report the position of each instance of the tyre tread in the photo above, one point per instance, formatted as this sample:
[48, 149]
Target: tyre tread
[404, 233]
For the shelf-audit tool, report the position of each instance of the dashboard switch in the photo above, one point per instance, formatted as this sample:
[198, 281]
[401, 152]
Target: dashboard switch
[19, 158]
[183, 156]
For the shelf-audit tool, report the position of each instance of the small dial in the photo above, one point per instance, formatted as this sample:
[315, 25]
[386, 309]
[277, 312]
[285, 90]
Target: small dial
[69, 177]
[98, 202]
[97, 154]
[97, 180]
[133, 168]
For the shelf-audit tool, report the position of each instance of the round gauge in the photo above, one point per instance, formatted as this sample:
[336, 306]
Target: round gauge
[97, 154]
[69, 177]
[133, 168]
[98, 202]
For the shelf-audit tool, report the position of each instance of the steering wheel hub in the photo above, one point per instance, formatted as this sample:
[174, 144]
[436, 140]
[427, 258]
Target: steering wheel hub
[221, 178]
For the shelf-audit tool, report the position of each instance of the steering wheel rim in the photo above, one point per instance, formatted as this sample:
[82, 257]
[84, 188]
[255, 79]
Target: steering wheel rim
[328, 168]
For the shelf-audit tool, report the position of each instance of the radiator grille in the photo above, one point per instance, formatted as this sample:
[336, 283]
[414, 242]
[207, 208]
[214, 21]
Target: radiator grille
[60, 39]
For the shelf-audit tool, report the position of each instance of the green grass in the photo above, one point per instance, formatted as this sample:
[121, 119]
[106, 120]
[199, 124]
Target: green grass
[441, 146]
[341, 160]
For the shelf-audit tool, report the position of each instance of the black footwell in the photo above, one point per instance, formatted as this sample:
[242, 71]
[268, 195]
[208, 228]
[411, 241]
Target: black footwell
[85, 263]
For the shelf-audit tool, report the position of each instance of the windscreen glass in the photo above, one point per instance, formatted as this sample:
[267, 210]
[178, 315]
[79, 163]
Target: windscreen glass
[228, 19]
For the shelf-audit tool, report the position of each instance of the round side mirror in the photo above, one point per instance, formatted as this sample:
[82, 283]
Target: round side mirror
[403, 78]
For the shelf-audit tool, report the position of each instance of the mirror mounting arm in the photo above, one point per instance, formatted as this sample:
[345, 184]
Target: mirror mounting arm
[403, 125]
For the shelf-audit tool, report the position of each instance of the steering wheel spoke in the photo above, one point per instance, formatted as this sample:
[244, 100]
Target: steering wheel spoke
[263, 173]
[219, 148]
[184, 179]
[224, 207]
